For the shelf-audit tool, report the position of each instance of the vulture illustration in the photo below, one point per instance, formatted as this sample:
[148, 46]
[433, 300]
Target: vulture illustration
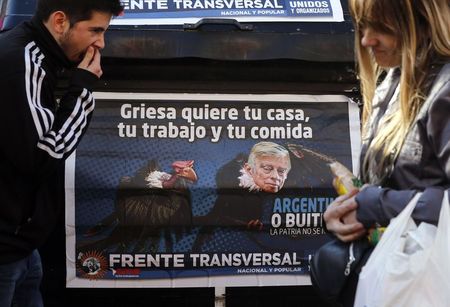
[148, 205]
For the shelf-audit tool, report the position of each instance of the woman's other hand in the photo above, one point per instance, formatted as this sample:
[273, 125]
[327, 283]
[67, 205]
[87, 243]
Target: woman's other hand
[340, 218]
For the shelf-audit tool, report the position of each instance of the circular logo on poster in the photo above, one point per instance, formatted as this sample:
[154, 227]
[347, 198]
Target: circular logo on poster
[92, 265]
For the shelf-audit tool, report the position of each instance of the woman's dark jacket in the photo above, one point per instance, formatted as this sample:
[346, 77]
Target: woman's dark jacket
[423, 164]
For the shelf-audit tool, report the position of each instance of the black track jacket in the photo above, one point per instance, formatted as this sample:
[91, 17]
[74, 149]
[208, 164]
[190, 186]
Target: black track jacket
[37, 134]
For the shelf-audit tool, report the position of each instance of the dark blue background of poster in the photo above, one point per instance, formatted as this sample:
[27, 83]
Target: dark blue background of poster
[103, 158]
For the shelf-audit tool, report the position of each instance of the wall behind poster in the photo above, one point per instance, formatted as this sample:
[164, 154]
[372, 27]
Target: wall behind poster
[131, 133]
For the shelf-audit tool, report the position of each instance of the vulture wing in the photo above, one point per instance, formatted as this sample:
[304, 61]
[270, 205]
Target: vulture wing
[310, 168]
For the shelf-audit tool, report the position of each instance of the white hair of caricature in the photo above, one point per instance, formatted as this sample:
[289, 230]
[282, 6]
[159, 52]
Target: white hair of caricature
[267, 149]
[246, 181]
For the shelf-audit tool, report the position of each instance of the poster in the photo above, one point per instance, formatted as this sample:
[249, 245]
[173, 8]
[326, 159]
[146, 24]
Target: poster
[195, 190]
[158, 12]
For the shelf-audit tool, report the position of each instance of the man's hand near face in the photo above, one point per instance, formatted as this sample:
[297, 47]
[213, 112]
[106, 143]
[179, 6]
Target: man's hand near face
[91, 61]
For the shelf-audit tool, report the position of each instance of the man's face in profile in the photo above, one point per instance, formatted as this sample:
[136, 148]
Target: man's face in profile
[77, 39]
[269, 172]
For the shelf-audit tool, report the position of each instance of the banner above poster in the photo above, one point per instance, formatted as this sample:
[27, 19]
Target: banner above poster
[159, 12]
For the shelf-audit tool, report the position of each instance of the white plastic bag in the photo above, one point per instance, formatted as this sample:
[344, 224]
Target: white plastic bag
[410, 266]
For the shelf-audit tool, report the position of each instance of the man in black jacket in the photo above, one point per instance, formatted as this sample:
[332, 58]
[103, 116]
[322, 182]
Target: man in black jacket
[38, 132]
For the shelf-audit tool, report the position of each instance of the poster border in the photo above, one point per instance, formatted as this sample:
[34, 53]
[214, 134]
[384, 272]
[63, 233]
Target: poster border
[72, 281]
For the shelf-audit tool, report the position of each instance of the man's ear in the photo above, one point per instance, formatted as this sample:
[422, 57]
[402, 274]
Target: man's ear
[59, 22]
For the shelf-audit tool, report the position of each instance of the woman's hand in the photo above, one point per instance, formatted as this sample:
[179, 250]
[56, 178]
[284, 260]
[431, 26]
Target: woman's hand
[340, 218]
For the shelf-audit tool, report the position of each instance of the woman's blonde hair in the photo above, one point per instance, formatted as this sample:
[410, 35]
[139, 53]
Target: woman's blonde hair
[422, 30]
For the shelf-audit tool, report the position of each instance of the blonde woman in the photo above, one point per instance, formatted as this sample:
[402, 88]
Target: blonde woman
[404, 44]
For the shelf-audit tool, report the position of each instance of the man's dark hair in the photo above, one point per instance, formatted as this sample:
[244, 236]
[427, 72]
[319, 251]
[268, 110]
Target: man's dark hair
[77, 10]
